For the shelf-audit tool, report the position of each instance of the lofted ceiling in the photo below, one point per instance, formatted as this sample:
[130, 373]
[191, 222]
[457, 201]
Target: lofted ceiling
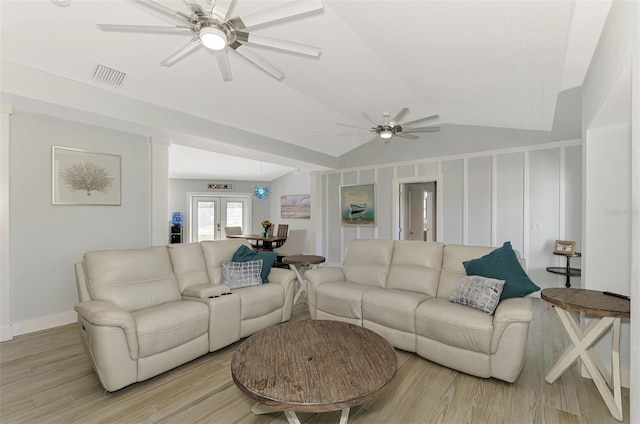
[486, 63]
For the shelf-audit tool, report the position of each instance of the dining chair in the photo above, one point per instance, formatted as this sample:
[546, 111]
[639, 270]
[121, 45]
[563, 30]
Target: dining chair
[283, 229]
[293, 245]
[232, 231]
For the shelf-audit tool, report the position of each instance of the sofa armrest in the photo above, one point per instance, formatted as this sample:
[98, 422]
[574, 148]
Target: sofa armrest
[517, 309]
[203, 291]
[106, 314]
[318, 276]
[282, 276]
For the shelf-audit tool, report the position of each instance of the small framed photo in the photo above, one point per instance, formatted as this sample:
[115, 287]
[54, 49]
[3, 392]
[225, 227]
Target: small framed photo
[84, 178]
[565, 247]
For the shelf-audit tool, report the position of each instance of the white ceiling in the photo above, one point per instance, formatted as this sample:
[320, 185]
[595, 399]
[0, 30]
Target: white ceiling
[488, 63]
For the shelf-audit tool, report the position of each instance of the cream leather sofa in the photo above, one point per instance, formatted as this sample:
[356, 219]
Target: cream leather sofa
[145, 311]
[400, 290]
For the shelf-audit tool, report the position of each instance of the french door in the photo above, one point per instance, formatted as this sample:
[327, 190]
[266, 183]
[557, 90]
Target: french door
[210, 214]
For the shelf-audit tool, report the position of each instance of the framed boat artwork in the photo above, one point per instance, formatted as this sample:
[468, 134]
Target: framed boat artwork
[358, 204]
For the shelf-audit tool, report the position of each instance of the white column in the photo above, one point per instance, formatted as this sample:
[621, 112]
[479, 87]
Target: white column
[6, 331]
[160, 191]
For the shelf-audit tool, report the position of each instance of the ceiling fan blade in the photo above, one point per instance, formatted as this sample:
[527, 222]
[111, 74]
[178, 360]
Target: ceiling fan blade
[366, 115]
[223, 64]
[182, 52]
[398, 117]
[221, 9]
[290, 46]
[261, 63]
[403, 135]
[353, 126]
[420, 129]
[276, 13]
[170, 29]
[166, 10]
[428, 118]
[194, 6]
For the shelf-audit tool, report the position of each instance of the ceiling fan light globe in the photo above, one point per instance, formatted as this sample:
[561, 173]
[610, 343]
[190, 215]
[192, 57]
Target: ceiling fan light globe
[386, 134]
[213, 38]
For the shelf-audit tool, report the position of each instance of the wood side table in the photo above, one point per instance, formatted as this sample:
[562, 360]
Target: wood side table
[297, 263]
[569, 303]
[313, 366]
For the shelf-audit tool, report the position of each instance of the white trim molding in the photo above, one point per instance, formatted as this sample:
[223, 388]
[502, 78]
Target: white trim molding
[6, 331]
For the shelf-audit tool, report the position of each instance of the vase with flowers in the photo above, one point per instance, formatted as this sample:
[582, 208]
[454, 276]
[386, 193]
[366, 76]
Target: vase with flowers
[266, 224]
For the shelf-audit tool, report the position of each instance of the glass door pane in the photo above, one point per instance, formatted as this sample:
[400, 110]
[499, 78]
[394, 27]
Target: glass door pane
[234, 213]
[205, 218]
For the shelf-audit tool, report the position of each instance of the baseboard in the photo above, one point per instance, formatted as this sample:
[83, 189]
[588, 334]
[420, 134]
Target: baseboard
[6, 333]
[44, 323]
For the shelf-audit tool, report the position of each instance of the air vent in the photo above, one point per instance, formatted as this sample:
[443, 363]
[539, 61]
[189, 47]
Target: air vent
[108, 75]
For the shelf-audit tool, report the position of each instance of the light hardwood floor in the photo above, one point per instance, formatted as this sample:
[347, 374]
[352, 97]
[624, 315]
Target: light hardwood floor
[46, 378]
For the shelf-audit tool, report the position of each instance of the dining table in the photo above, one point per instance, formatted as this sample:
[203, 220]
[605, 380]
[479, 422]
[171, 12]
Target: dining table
[265, 243]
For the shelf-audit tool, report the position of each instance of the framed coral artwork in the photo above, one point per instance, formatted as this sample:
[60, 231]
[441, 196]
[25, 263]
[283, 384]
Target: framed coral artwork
[80, 177]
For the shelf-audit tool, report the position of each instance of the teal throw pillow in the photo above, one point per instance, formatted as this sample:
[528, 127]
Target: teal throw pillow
[245, 254]
[503, 264]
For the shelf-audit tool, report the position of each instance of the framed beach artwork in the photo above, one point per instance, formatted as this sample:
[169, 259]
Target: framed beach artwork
[85, 178]
[295, 206]
[358, 204]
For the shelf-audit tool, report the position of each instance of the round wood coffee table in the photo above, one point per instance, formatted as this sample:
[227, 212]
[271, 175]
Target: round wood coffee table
[313, 366]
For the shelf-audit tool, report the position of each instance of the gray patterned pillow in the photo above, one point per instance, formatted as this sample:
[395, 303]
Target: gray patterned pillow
[478, 292]
[242, 274]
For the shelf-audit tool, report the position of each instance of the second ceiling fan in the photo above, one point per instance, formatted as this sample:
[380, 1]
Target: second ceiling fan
[209, 26]
[393, 128]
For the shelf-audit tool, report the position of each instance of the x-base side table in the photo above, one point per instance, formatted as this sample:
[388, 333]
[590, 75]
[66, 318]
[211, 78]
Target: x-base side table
[297, 263]
[608, 310]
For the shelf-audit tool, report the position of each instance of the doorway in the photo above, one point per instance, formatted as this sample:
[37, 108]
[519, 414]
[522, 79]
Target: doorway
[417, 211]
[210, 214]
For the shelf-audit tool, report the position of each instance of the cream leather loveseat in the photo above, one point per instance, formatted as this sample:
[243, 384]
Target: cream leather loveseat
[400, 289]
[145, 311]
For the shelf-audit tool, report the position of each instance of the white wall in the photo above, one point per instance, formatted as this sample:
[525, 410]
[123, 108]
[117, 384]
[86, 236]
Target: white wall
[486, 198]
[611, 125]
[295, 182]
[46, 240]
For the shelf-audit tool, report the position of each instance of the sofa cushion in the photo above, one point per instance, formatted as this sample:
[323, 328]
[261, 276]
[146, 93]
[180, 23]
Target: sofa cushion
[392, 308]
[188, 264]
[217, 251]
[341, 299]
[133, 279]
[502, 264]
[245, 254]
[415, 266]
[169, 325]
[367, 261]
[241, 274]
[478, 292]
[455, 325]
[452, 269]
[259, 300]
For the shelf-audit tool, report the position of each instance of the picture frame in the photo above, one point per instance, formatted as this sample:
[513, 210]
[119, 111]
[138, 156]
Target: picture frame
[564, 247]
[295, 206]
[358, 205]
[80, 177]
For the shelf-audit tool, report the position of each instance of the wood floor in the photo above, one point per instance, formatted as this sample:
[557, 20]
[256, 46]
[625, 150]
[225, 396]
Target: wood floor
[46, 378]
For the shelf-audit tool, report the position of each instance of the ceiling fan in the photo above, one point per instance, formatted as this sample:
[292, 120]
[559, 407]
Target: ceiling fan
[393, 128]
[209, 27]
